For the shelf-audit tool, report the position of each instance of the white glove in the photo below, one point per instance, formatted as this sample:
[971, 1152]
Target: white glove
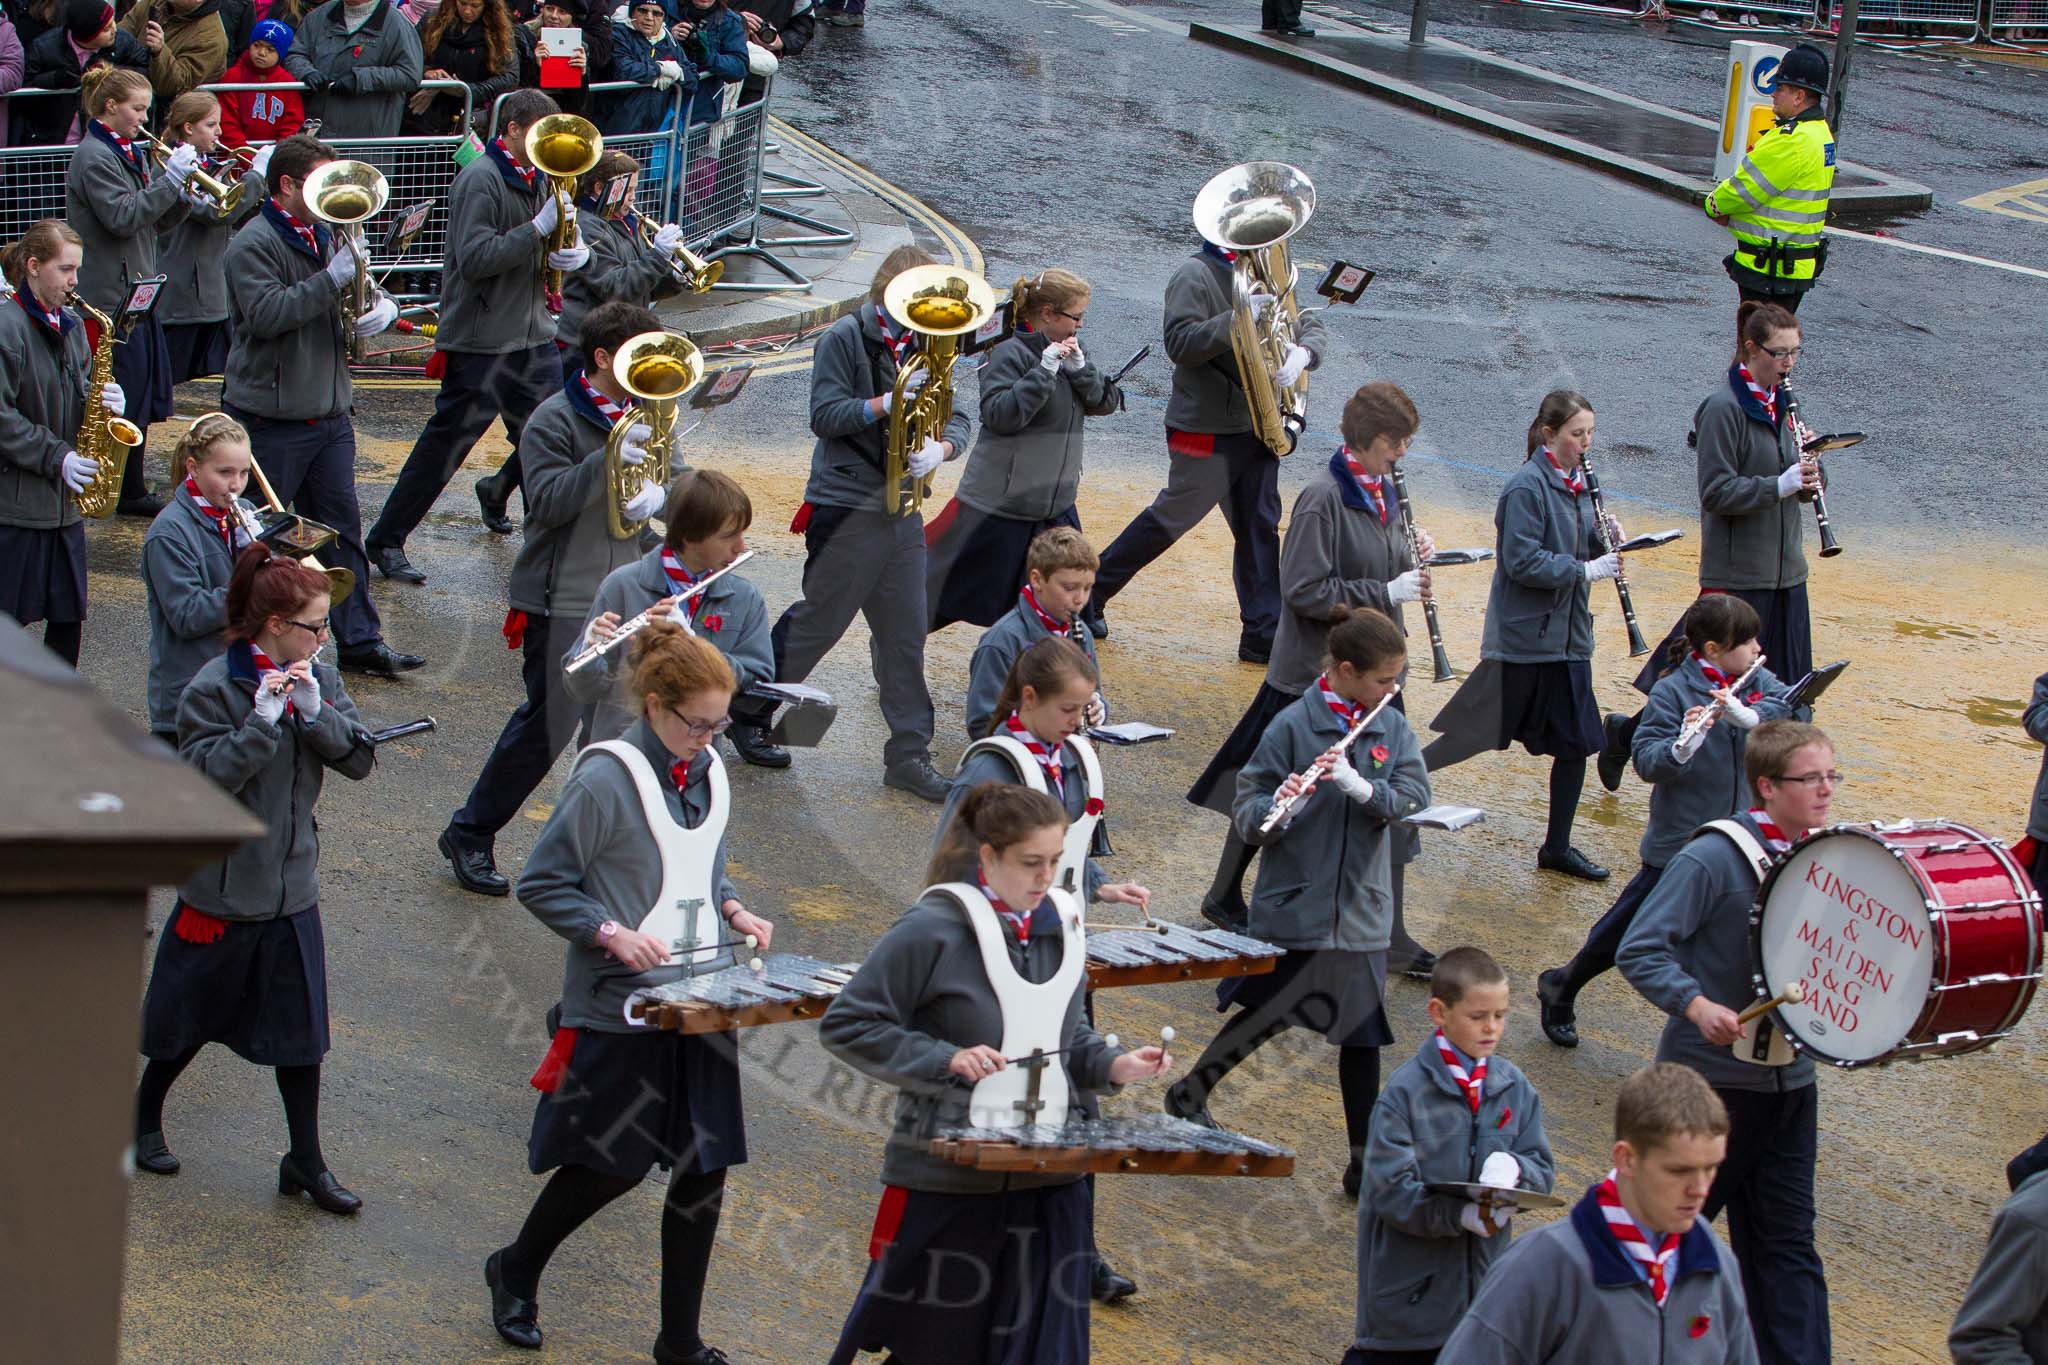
[184, 160]
[668, 237]
[1049, 360]
[113, 399]
[926, 458]
[671, 72]
[679, 614]
[569, 258]
[1744, 716]
[1076, 358]
[1501, 1171]
[1406, 588]
[1261, 302]
[260, 167]
[1606, 566]
[1790, 482]
[633, 447]
[1685, 746]
[269, 704]
[342, 269]
[306, 697]
[1347, 780]
[646, 502]
[550, 216]
[79, 471]
[382, 314]
[1477, 1223]
[1294, 366]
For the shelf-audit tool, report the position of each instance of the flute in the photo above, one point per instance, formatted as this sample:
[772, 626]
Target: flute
[1689, 734]
[1612, 544]
[1801, 435]
[1322, 764]
[590, 654]
[1439, 656]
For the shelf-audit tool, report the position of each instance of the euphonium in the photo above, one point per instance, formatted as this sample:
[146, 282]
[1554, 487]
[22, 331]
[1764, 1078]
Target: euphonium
[347, 194]
[104, 439]
[940, 303]
[563, 147]
[658, 369]
[1252, 210]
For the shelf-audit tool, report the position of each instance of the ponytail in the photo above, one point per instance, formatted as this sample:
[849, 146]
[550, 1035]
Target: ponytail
[43, 240]
[998, 814]
[1060, 290]
[1046, 667]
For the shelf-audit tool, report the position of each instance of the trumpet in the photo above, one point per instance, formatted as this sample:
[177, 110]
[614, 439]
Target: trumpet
[563, 147]
[696, 273]
[1278, 815]
[657, 368]
[225, 197]
[1692, 732]
[632, 626]
[1440, 657]
[347, 194]
[940, 303]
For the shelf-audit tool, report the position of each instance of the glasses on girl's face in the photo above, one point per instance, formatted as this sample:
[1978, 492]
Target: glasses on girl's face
[318, 632]
[1789, 353]
[702, 729]
[1076, 318]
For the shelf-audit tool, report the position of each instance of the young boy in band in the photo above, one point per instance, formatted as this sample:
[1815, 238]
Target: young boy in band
[1059, 575]
[1688, 952]
[568, 552]
[1455, 1112]
[1634, 1274]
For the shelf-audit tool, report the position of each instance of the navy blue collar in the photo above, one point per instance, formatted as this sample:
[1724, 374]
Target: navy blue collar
[518, 177]
[242, 662]
[580, 404]
[1220, 255]
[1347, 487]
[1613, 1268]
[43, 326]
[131, 156]
[283, 222]
[1750, 407]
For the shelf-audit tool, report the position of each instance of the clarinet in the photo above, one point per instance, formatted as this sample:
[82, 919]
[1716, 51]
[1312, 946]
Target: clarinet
[1636, 644]
[1829, 546]
[1324, 760]
[1441, 658]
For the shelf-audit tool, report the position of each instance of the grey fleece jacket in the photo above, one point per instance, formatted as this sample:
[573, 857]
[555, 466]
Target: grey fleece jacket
[1326, 876]
[1684, 796]
[2003, 1319]
[1418, 1267]
[997, 651]
[2036, 720]
[1026, 461]
[921, 995]
[42, 402]
[492, 301]
[1206, 396]
[568, 549]
[287, 353]
[594, 862]
[1333, 556]
[120, 218]
[185, 572]
[619, 268]
[1691, 938]
[191, 255]
[276, 770]
[733, 617]
[1750, 538]
[849, 366]
[382, 58]
[1537, 610]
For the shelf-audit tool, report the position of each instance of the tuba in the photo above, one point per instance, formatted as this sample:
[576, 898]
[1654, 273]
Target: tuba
[100, 437]
[940, 303]
[345, 195]
[1252, 210]
[563, 147]
[658, 369]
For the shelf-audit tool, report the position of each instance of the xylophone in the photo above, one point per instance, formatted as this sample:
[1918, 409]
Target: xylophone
[787, 986]
[1156, 951]
[1147, 1144]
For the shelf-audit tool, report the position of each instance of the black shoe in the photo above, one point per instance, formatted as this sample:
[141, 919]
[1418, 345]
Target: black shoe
[1106, 1286]
[1092, 617]
[1613, 760]
[1560, 1022]
[752, 743]
[147, 505]
[376, 657]
[324, 1189]
[1258, 652]
[665, 1354]
[517, 1319]
[1180, 1106]
[1235, 918]
[1296, 31]
[493, 505]
[152, 1155]
[1354, 1176]
[1572, 863]
[919, 778]
[475, 869]
[392, 563]
[1417, 964]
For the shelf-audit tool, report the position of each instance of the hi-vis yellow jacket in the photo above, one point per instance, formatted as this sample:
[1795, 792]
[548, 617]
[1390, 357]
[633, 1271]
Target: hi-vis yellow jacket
[1777, 202]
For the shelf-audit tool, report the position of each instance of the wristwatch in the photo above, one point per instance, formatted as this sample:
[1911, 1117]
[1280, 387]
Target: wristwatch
[605, 932]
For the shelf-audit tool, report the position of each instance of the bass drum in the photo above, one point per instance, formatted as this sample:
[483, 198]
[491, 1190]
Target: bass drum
[1918, 939]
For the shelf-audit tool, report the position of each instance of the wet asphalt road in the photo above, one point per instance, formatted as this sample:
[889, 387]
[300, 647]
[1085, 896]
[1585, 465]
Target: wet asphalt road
[1060, 133]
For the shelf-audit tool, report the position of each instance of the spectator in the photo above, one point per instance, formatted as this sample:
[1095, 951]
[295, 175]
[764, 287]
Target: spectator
[360, 61]
[33, 18]
[11, 58]
[59, 59]
[468, 41]
[596, 55]
[643, 52]
[187, 43]
[250, 117]
[781, 28]
[713, 41]
[845, 13]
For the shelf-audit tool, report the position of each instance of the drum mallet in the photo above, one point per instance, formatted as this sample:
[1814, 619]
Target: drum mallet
[1791, 995]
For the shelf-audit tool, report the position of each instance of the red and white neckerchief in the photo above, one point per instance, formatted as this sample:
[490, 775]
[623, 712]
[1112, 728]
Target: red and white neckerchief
[525, 173]
[1049, 758]
[1346, 712]
[1768, 400]
[899, 343]
[682, 580]
[1069, 630]
[679, 773]
[1715, 677]
[264, 665]
[305, 230]
[610, 411]
[1473, 1083]
[126, 145]
[1018, 920]
[1774, 838]
[1574, 478]
[1656, 1265]
[1368, 484]
[225, 523]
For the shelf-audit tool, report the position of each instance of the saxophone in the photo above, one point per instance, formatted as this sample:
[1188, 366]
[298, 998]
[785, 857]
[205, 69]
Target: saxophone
[101, 438]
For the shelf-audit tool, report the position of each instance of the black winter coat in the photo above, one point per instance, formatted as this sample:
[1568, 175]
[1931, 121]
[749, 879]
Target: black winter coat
[42, 121]
[463, 53]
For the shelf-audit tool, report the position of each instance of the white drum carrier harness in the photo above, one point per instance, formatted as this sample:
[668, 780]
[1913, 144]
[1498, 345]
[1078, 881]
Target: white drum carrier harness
[1768, 1047]
[686, 913]
[1073, 870]
[1033, 1089]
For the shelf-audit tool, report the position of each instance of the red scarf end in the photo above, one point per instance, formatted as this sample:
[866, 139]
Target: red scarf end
[515, 628]
[437, 365]
[1195, 444]
[801, 521]
[196, 926]
[547, 1077]
[888, 1220]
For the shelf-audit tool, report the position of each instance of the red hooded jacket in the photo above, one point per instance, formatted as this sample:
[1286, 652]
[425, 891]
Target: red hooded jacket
[251, 117]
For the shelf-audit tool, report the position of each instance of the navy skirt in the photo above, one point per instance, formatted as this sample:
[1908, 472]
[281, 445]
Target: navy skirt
[42, 573]
[1337, 992]
[260, 989]
[142, 367]
[195, 350]
[1547, 707]
[1216, 788]
[977, 1279]
[627, 1102]
[975, 562]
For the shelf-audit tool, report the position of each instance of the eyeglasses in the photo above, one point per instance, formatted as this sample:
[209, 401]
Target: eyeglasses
[1811, 780]
[316, 631]
[1076, 318]
[1790, 353]
[701, 729]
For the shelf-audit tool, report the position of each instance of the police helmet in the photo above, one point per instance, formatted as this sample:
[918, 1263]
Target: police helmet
[1805, 66]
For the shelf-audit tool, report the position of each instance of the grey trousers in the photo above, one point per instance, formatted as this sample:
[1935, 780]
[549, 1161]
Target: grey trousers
[874, 565]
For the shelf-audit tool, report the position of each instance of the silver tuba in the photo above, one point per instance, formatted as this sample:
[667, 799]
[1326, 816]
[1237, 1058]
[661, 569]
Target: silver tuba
[1252, 210]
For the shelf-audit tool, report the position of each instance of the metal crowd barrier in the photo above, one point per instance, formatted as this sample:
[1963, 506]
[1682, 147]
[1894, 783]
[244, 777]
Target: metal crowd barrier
[1960, 17]
[2010, 16]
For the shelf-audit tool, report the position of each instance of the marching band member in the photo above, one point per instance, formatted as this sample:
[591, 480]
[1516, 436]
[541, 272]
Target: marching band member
[1690, 783]
[1688, 952]
[497, 331]
[44, 362]
[188, 560]
[859, 555]
[244, 962]
[567, 553]
[1534, 682]
[287, 379]
[1574, 1290]
[1347, 545]
[1216, 457]
[194, 310]
[620, 267]
[617, 1099]
[2003, 1318]
[960, 1256]
[1324, 890]
[707, 518]
[1058, 574]
[1024, 472]
[2036, 721]
[118, 209]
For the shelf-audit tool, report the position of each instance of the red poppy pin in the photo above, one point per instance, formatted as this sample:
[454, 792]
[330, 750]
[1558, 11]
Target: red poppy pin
[1379, 755]
[1755, 695]
[714, 623]
[356, 51]
[1094, 806]
[1505, 1115]
[1700, 1325]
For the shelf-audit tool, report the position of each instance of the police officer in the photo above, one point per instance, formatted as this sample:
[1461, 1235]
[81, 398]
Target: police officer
[1777, 201]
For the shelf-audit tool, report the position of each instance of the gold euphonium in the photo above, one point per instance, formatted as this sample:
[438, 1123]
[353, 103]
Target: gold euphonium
[345, 195]
[941, 303]
[658, 369]
[1252, 210]
[101, 438]
[562, 147]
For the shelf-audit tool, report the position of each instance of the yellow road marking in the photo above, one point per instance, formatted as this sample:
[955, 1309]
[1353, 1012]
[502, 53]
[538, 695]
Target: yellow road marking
[2028, 201]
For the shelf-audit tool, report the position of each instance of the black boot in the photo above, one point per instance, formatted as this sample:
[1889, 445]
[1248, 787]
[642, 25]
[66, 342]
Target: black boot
[151, 1154]
[493, 503]
[1572, 863]
[752, 743]
[1560, 1020]
[475, 868]
[1613, 761]
[1106, 1286]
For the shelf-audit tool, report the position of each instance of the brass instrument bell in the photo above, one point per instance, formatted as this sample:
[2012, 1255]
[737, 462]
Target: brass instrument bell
[345, 195]
[658, 369]
[940, 303]
[563, 147]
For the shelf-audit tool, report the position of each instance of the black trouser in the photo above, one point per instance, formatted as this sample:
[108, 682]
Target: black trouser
[533, 738]
[1766, 1185]
[312, 469]
[1788, 302]
[1279, 13]
[1604, 940]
